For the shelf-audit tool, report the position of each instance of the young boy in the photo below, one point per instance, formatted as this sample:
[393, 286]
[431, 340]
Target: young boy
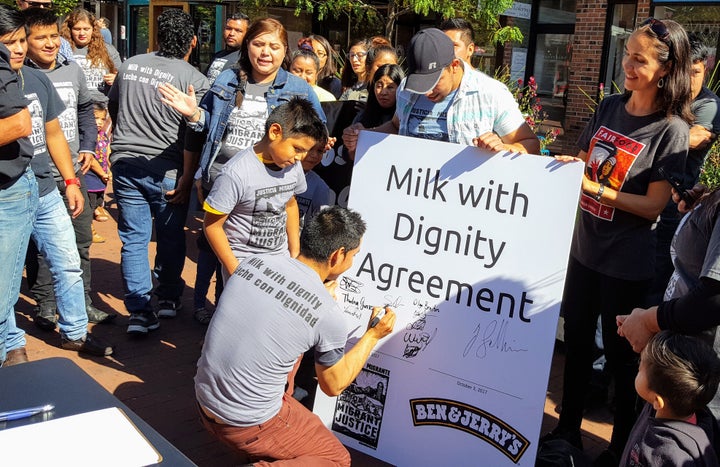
[678, 376]
[317, 195]
[252, 207]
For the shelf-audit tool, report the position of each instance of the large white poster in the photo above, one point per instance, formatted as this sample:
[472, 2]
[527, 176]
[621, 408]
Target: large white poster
[471, 250]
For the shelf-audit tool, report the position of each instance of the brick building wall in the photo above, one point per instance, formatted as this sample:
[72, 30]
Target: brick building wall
[584, 72]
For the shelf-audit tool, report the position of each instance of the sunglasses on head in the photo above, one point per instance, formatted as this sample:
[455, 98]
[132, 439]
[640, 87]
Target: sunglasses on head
[658, 27]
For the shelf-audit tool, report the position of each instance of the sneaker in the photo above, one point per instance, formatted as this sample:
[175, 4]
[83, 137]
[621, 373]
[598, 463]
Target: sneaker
[202, 315]
[168, 308]
[141, 323]
[573, 437]
[45, 319]
[89, 345]
[96, 316]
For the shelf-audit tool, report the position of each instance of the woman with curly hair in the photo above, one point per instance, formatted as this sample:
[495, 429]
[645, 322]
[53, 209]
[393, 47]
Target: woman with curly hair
[97, 59]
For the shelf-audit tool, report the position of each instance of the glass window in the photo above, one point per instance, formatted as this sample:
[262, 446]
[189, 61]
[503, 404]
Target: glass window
[623, 18]
[552, 60]
[139, 35]
[557, 11]
[204, 19]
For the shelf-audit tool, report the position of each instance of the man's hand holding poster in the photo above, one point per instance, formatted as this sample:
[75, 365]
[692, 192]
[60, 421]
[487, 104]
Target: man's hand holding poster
[470, 250]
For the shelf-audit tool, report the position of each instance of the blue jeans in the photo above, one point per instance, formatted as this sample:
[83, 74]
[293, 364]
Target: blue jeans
[140, 196]
[54, 236]
[39, 278]
[18, 204]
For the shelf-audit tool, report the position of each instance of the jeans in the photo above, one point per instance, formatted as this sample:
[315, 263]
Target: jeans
[207, 265]
[38, 273]
[140, 196]
[18, 205]
[54, 236]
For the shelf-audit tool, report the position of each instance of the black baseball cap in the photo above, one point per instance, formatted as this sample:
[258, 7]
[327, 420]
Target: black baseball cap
[430, 51]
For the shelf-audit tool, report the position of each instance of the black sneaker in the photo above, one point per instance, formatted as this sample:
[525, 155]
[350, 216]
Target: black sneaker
[571, 436]
[168, 308]
[141, 323]
[96, 316]
[89, 345]
[45, 319]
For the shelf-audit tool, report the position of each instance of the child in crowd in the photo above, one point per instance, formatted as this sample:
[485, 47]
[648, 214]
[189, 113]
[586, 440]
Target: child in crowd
[678, 376]
[318, 195]
[306, 65]
[252, 207]
[99, 175]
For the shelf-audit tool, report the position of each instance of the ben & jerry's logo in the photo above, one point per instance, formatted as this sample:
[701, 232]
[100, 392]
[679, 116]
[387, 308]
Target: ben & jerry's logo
[477, 422]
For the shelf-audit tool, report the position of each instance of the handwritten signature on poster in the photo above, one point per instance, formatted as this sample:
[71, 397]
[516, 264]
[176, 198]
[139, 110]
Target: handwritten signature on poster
[416, 338]
[495, 337]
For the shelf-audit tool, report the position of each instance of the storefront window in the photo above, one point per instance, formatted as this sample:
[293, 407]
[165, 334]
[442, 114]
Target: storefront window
[623, 19]
[204, 19]
[557, 11]
[552, 60]
[139, 39]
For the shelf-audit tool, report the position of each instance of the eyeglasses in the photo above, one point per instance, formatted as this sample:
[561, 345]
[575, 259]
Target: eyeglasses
[40, 4]
[658, 27]
[357, 55]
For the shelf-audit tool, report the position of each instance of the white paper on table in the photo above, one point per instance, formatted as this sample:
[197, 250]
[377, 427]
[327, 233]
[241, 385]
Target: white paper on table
[104, 437]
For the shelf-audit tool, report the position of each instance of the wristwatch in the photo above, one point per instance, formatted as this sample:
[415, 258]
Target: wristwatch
[600, 192]
[72, 181]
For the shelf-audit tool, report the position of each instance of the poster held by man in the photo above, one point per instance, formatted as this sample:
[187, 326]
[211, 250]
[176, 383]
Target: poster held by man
[470, 250]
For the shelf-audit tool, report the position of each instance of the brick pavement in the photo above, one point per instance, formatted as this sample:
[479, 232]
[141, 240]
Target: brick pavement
[153, 376]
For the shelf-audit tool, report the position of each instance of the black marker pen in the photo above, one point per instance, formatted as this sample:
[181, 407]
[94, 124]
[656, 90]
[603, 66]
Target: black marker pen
[376, 319]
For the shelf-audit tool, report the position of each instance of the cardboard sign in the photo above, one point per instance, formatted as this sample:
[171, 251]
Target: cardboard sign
[470, 249]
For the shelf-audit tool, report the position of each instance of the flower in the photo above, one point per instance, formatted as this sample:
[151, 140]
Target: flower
[530, 106]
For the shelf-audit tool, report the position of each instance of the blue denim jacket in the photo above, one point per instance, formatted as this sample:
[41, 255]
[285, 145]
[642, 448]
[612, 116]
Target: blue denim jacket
[219, 102]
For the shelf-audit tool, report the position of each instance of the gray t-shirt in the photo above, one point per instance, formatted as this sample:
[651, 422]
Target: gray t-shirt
[147, 132]
[45, 106]
[223, 60]
[624, 152]
[254, 196]
[272, 310]
[69, 83]
[706, 109]
[245, 126]
[317, 196]
[93, 72]
[695, 248]
[695, 253]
